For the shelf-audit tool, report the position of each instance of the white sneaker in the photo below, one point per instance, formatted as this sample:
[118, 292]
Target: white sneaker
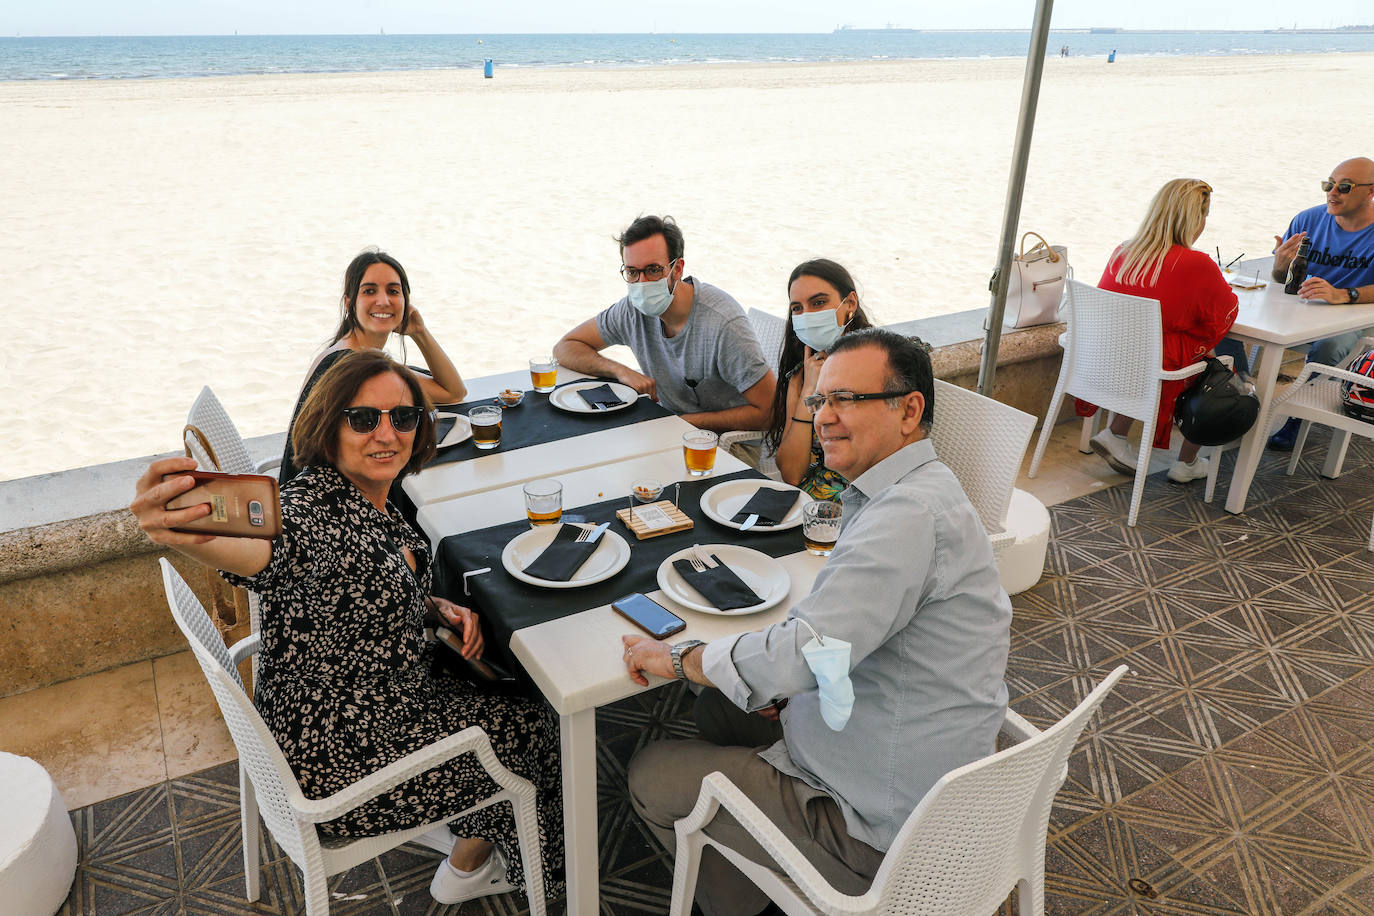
[452, 886]
[1187, 473]
[1115, 450]
[440, 839]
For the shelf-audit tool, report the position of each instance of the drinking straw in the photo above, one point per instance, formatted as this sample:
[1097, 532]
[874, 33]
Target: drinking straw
[1234, 260]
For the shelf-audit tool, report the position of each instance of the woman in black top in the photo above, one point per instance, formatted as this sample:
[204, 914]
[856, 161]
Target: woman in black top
[375, 305]
[345, 682]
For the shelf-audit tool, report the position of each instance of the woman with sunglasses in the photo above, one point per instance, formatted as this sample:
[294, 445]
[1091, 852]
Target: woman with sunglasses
[375, 305]
[823, 306]
[347, 682]
[1197, 307]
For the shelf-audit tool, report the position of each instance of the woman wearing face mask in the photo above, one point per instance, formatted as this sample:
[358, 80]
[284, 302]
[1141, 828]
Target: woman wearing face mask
[375, 305]
[824, 305]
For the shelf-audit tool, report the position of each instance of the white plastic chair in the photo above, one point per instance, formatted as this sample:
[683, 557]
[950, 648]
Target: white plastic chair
[982, 441]
[978, 832]
[1113, 354]
[230, 452]
[267, 784]
[769, 330]
[1318, 400]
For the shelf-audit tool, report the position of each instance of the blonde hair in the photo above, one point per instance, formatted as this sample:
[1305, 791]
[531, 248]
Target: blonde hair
[1177, 216]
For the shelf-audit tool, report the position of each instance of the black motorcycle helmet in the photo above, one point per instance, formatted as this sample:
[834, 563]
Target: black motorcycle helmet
[1219, 408]
[1358, 400]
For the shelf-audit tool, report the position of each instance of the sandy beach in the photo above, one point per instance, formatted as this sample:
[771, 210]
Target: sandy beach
[165, 234]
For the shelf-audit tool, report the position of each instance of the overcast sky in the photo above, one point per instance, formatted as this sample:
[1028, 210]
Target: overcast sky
[202, 17]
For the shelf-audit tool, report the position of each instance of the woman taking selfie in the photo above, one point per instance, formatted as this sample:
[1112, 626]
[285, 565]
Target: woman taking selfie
[345, 682]
[375, 305]
[1197, 307]
[823, 306]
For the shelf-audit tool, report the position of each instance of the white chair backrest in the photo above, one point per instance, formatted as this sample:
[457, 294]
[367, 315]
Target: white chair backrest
[982, 441]
[1114, 348]
[769, 329]
[259, 754]
[209, 416]
[955, 853]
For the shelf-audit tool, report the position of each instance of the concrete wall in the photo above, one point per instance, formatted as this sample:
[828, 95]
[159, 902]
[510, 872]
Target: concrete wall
[80, 590]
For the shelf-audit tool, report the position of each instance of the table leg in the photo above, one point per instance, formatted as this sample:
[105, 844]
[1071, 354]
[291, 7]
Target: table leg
[1252, 443]
[578, 734]
[1335, 453]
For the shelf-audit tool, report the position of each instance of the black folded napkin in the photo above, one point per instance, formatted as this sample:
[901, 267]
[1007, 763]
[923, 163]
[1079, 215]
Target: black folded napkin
[561, 560]
[719, 585]
[601, 394]
[771, 506]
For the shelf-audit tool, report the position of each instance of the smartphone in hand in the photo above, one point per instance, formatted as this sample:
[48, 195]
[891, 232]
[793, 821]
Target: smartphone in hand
[241, 505]
[650, 616]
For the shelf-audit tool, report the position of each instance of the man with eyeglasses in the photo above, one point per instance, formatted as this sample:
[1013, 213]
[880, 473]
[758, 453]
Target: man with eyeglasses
[696, 350]
[912, 588]
[1340, 263]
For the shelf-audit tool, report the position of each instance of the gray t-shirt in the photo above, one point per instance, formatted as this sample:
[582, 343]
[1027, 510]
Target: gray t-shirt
[717, 350]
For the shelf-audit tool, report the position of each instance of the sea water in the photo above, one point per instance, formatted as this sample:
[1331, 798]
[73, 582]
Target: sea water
[232, 55]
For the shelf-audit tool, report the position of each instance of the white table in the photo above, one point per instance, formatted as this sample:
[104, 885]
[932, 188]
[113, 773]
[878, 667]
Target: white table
[576, 661]
[549, 459]
[1273, 320]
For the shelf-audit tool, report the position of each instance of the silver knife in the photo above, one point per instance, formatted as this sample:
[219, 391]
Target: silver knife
[597, 532]
[750, 522]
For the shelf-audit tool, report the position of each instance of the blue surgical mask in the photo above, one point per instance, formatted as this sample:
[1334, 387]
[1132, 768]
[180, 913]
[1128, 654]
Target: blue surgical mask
[818, 330]
[652, 297]
[828, 660]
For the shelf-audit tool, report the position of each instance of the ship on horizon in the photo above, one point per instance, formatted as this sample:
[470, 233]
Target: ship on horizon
[888, 29]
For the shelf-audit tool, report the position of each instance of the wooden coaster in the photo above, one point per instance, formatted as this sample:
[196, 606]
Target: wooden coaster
[681, 522]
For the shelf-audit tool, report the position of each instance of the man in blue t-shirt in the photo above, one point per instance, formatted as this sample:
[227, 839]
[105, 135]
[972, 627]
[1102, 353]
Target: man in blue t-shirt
[1340, 264]
[697, 353]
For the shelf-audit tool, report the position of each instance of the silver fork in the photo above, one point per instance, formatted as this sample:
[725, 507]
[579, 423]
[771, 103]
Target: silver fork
[697, 564]
[702, 557]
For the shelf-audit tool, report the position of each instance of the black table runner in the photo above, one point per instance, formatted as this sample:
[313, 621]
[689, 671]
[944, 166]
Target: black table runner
[536, 421]
[507, 604]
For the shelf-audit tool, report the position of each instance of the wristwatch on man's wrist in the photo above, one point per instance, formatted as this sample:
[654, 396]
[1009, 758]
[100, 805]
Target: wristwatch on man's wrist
[679, 651]
[1353, 294]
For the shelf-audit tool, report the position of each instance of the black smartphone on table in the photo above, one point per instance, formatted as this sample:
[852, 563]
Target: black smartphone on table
[650, 616]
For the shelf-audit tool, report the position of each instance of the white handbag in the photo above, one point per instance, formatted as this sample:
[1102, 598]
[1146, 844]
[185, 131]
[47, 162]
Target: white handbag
[1036, 284]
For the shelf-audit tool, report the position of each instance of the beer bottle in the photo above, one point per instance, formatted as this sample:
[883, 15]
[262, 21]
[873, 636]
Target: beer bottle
[1297, 271]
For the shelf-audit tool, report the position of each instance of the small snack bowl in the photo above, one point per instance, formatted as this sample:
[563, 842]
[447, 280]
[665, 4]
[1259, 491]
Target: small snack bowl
[646, 491]
[510, 397]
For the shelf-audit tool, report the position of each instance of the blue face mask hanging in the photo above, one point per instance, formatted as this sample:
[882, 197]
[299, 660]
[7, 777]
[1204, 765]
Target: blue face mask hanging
[828, 660]
[818, 330]
[652, 297]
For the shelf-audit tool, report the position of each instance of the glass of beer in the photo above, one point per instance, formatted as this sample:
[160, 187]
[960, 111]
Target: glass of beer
[486, 426]
[544, 502]
[821, 526]
[543, 374]
[699, 452]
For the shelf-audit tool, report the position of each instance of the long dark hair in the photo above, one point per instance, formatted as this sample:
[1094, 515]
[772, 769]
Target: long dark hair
[353, 279]
[793, 350]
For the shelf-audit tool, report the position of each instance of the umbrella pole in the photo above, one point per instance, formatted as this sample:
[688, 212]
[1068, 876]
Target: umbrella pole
[1011, 216]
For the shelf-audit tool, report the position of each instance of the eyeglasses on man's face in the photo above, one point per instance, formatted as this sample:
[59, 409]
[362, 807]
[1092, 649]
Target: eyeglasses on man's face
[651, 272]
[363, 420]
[839, 399]
[1345, 186]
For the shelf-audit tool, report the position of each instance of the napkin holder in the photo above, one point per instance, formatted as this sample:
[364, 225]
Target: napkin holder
[680, 520]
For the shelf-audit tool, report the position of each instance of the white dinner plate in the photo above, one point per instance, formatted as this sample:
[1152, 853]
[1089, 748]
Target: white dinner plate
[566, 397]
[765, 575]
[721, 502]
[461, 432]
[609, 558]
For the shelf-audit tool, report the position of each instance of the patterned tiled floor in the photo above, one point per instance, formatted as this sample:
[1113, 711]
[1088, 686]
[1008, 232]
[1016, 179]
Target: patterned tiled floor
[1231, 773]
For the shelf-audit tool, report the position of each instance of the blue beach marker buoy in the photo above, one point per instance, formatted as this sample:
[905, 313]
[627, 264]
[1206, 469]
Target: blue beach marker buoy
[486, 68]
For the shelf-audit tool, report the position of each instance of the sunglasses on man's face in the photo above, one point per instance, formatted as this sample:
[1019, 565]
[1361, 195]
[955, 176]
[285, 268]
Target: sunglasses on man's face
[364, 420]
[1345, 187]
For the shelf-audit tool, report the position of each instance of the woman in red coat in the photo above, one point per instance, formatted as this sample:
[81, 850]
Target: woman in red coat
[1197, 307]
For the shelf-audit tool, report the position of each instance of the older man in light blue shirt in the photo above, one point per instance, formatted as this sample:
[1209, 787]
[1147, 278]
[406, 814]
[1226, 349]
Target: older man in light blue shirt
[913, 588]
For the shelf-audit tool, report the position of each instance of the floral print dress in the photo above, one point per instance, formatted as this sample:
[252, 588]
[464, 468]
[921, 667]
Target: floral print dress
[346, 683]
